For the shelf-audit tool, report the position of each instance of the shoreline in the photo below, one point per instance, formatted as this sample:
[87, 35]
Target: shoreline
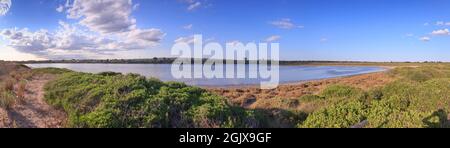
[260, 98]
[243, 86]
[382, 68]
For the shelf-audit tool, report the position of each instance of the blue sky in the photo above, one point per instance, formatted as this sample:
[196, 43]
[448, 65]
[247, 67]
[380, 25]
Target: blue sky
[369, 30]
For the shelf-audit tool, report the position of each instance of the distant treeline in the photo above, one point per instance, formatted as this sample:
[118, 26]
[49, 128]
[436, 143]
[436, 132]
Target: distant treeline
[171, 60]
[135, 61]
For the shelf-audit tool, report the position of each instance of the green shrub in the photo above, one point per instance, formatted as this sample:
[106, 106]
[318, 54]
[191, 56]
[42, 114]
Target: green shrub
[376, 94]
[341, 91]
[341, 115]
[278, 103]
[133, 101]
[109, 73]
[310, 98]
[420, 97]
[395, 113]
[278, 118]
[55, 71]
[421, 74]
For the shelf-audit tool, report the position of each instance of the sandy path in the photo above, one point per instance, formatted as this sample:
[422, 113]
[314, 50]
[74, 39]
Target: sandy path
[33, 112]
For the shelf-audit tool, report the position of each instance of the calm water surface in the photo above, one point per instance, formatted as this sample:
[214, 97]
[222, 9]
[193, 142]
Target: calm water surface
[288, 74]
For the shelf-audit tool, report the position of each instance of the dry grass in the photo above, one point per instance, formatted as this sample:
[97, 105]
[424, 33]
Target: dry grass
[7, 99]
[12, 83]
[21, 90]
[8, 84]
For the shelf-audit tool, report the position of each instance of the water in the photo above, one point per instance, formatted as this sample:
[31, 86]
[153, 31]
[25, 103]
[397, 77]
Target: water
[288, 74]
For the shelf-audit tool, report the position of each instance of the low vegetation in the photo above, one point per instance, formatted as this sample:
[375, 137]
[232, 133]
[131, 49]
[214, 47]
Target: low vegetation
[7, 82]
[7, 99]
[114, 100]
[420, 98]
[13, 82]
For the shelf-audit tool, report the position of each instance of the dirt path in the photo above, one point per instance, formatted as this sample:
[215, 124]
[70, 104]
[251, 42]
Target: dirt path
[33, 111]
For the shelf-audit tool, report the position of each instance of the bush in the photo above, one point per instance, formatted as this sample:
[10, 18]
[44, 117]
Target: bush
[375, 94]
[133, 101]
[109, 73]
[55, 71]
[331, 95]
[311, 98]
[394, 113]
[278, 118]
[341, 115]
[277, 103]
[341, 91]
[421, 74]
[420, 97]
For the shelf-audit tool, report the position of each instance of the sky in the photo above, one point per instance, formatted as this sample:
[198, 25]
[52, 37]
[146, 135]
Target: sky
[357, 30]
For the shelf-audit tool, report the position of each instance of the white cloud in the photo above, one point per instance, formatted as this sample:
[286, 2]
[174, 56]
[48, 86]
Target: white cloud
[67, 4]
[191, 39]
[441, 32]
[142, 38]
[234, 42]
[273, 38]
[440, 23]
[69, 40]
[60, 8]
[324, 40]
[105, 16]
[188, 27]
[5, 5]
[103, 27]
[285, 23]
[187, 40]
[425, 39]
[194, 6]
[136, 6]
[25, 41]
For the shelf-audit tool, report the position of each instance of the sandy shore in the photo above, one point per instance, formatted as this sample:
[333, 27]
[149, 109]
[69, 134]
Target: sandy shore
[252, 96]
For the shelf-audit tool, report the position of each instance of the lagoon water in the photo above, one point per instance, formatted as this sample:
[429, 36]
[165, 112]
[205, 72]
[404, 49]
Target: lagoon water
[288, 74]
